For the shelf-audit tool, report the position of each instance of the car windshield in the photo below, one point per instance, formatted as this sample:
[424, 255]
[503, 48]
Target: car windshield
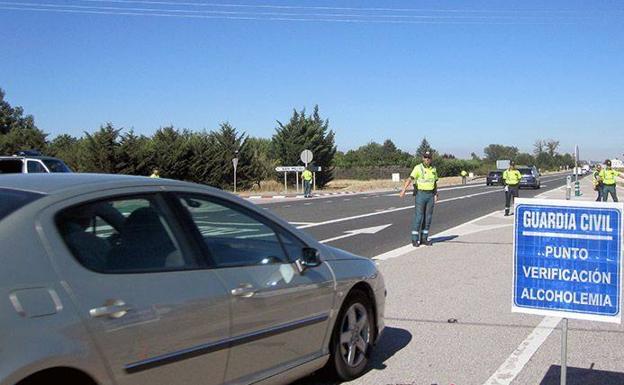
[10, 166]
[495, 173]
[11, 200]
[525, 171]
[56, 165]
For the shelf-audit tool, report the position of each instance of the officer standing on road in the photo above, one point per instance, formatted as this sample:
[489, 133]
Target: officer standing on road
[306, 176]
[598, 182]
[425, 179]
[511, 179]
[155, 173]
[464, 174]
[608, 176]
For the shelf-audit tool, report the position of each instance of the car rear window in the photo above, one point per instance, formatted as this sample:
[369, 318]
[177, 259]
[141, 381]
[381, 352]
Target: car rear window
[10, 166]
[525, 171]
[11, 200]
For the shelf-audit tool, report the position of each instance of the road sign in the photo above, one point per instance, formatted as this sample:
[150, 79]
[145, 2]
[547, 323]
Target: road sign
[306, 156]
[568, 259]
[502, 164]
[290, 169]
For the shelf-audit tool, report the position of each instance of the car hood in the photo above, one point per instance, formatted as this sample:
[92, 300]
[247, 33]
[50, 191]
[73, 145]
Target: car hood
[339, 254]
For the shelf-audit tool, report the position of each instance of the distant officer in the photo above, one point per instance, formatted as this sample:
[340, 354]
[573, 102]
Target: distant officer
[425, 180]
[306, 175]
[464, 174]
[608, 176]
[597, 182]
[155, 173]
[511, 179]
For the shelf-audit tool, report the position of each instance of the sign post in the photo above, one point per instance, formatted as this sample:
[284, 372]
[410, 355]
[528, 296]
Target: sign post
[286, 170]
[235, 164]
[306, 157]
[568, 262]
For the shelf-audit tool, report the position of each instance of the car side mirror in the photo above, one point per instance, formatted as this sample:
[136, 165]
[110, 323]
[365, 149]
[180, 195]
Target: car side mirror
[310, 257]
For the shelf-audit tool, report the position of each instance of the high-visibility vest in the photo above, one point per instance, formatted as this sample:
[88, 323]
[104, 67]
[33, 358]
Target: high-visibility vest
[425, 177]
[512, 177]
[464, 173]
[608, 176]
[307, 175]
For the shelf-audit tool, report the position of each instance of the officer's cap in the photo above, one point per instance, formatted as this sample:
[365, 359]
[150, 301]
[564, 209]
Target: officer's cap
[512, 163]
[427, 154]
[608, 162]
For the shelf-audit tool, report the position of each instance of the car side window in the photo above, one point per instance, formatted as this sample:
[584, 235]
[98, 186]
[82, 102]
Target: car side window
[34, 167]
[233, 236]
[124, 235]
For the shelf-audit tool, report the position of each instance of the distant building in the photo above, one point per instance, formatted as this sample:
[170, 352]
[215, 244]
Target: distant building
[616, 163]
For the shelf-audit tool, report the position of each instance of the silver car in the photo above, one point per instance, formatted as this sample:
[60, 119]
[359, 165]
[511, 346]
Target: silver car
[130, 280]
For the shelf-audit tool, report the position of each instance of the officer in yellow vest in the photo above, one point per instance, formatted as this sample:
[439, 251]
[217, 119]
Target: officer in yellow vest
[155, 173]
[425, 180]
[597, 182]
[306, 175]
[608, 176]
[463, 174]
[511, 179]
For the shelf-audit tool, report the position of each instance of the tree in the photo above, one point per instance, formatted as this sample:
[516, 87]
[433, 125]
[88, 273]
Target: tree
[306, 132]
[18, 131]
[100, 152]
[525, 159]
[262, 162]
[494, 152]
[424, 147]
[538, 147]
[135, 154]
[229, 144]
[68, 148]
[170, 153]
[551, 146]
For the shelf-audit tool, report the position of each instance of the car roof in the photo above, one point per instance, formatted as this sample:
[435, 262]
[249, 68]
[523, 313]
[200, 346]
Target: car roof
[28, 157]
[52, 183]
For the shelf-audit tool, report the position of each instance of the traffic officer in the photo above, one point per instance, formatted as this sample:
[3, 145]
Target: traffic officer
[155, 173]
[425, 180]
[511, 179]
[306, 175]
[464, 174]
[597, 182]
[608, 176]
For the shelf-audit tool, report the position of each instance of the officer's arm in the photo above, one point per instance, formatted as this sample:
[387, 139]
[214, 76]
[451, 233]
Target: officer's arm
[408, 182]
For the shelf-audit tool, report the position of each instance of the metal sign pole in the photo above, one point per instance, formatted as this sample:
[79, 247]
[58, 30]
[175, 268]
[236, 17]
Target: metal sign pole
[297, 180]
[285, 183]
[314, 180]
[564, 351]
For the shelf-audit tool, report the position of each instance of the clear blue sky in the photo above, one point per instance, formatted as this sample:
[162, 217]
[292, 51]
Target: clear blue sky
[462, 73]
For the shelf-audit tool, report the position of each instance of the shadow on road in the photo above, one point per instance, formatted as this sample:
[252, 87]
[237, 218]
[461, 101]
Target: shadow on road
[443, 238]
[392, 341]
[581, 376]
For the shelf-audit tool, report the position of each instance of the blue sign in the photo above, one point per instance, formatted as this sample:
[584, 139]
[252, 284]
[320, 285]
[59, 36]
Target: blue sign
[567, 259]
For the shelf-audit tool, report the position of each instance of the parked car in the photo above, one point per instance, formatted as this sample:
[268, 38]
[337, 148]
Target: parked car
[530, 177]
[111, 279]
[494, 177]
[29, 164]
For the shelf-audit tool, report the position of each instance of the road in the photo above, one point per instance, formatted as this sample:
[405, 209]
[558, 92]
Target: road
[333, 217]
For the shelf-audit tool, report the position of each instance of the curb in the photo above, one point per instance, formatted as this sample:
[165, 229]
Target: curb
[298, 195]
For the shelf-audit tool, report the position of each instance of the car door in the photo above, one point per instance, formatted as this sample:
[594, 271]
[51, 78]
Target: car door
[156, 313]
[34, 166]
[279, 315]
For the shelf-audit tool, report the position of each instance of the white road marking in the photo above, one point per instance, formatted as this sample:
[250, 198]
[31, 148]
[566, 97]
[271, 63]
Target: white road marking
[568, 236]
[346, 199]
[300, 223]
[338, 220]
[409, 248]
[307, 204]
[287, 206]
[350, 233]
[516, 361]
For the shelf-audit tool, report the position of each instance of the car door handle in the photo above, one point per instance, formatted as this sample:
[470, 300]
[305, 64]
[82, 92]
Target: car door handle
[245, 290]
[113, 309]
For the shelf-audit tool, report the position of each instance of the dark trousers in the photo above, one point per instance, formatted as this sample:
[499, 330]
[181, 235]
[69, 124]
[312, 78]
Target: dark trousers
[609, 189]
[307, 188]
[423, 212]
[463, 180]
[513, 192]
[599, 190]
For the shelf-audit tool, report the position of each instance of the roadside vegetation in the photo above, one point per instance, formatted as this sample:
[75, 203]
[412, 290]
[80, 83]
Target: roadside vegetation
[206, 156]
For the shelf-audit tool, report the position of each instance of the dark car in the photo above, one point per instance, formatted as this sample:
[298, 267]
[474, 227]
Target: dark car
[31, 164]
[494, 177]
[530, 177]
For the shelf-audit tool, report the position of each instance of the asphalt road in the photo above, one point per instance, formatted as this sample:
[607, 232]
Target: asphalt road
[334, 216]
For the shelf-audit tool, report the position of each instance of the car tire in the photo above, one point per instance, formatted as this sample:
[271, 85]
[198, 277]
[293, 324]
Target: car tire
[352, 338]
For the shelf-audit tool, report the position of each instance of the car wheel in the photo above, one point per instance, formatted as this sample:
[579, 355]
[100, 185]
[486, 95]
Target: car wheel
[352, 338]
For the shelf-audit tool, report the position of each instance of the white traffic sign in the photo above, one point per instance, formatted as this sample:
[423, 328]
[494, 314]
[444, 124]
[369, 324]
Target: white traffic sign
[289, 169]
[306, 156]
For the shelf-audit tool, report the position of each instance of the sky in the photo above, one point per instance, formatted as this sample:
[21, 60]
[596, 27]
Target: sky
[464, 74]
